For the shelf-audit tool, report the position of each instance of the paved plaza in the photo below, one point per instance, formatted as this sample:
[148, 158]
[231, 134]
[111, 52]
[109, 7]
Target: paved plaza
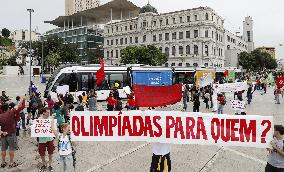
[136, 156]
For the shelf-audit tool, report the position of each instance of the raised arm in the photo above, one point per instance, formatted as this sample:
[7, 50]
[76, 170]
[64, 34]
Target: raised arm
[62, 102]
[21, 105]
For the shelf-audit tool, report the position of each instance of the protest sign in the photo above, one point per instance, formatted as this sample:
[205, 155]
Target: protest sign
[237, 105]
[127, 90]
[62, 89]
[42, 128]
[230, 87]
[280, 81]
[173, 127]
[207, 80]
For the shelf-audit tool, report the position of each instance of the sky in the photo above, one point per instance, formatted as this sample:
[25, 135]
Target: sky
[267, 15]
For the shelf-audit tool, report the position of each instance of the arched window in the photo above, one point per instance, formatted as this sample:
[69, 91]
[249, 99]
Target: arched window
[195, 50]
[173, 50]
[188, 49]
[206, 16]
[161, 49]
[206, 50]
[167, 51]
[180, 50]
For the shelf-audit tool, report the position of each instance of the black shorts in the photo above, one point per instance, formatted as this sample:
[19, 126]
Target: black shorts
[270, 168]
[160, 163]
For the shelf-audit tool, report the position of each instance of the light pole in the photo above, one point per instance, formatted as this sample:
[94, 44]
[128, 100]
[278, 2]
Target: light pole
[30, 88]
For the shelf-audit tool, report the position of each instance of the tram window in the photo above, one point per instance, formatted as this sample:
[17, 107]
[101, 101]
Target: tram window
[116, 78]
[84, 82]
[73, 82]
[105, 85]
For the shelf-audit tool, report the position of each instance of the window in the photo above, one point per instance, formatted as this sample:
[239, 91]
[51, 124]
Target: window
[206, 34]
[125, 28]
[107, 30]
[144, 24]
[174, 35]
[125, 41]
[121, 41]
[217, 36]
[161, 22]
[111, 53]
[107, 53]
[206, 16]
[195, 17]
[161, 49]
[180, 35]
[116, 78]
[188, 49]
[107, 42]
[180, 20]
[195, 64]
[187, 65]
[111, 42]
[160, 37]
[136, 40]
[212, 34]
[195, 50]
[173, 64]
[154, 23]
[130, 40]
[131, 27]
[228, 38]
[188, 18]
[173, 50]
[117, 28]
[180, 48]
[167, 51]
[144, 38]
[174, 20]
[116, 53]
[167, 65]
[154, 38]
[167, 21]
[180, 64]
[187, 34]
[248, 34]
[167, 36]
[116, 41]
[195, 33]
[206, 50]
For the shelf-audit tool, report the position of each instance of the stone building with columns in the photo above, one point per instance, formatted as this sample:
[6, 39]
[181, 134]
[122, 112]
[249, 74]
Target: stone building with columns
[193, 37]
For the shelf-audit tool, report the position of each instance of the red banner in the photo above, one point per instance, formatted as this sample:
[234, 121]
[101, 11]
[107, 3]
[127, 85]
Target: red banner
[155, 96]
[280, 81]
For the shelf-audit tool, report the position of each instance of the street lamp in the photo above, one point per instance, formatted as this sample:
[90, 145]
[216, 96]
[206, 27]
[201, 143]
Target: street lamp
[30, 88]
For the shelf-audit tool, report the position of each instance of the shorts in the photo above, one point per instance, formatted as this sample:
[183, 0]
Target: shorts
[160, 163]
[8, 141]
[49, 146]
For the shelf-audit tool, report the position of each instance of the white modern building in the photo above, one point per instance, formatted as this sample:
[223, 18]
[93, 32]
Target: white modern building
[24, 36]
[74, 6]
[193, 37]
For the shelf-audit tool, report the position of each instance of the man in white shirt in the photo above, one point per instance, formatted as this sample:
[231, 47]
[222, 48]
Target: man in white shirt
[161, 161]
[275, 162]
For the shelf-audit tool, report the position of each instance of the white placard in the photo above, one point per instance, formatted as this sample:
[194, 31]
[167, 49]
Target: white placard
[62, 89]
[42, 128]
[127, 90]
[237, 105]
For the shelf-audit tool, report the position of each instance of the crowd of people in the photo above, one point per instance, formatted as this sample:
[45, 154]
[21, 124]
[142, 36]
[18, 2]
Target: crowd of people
[13, 118]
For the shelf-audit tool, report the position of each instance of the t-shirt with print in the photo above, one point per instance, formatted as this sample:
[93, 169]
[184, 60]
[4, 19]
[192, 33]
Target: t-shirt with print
[275, 159]
[45, 139]
[64, 145]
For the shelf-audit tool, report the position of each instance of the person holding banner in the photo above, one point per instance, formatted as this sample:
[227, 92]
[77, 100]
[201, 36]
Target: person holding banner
[161, 160]
[275, 162]
[46, 144]
[222, 102]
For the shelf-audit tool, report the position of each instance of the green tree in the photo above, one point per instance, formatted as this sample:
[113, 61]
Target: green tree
[5, 41]
[6, 33]
[149, 55]
[69, 53]
[53, 59]
[247, 61]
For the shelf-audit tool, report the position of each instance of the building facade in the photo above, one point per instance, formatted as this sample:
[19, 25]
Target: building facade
[19, 36]
[74, 6]
[269, 50]
[248, 34]
[193, 37]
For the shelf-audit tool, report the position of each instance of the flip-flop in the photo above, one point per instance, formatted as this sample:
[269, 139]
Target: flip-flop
[14, 164]
[3, 165]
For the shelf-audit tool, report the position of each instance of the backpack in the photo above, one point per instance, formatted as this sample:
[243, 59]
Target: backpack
[73, 150]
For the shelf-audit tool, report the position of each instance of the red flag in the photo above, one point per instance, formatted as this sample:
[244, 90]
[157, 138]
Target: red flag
[155, 96]
[226, 73]
[280, 81]
[100, 75]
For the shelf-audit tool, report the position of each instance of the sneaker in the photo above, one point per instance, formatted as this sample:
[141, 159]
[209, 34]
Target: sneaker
[42, 168]
[50, 168]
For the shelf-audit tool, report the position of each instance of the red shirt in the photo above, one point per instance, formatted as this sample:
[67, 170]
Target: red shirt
[131, 102]
[8, 119]
[111, 101]
[278, 91]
